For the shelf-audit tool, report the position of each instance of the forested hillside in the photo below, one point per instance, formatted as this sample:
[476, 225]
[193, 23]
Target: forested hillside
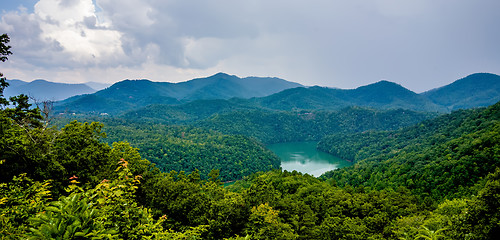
[145, 99]
[187, 113]
[441, 158]
[475, 90]
[380, 95]
[71, 184]
[131, 95]
[173, 148]
[290, 126]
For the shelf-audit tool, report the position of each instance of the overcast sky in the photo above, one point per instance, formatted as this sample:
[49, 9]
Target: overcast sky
[420, 44]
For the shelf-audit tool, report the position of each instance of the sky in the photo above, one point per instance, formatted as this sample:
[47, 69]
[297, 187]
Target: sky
[420, 44]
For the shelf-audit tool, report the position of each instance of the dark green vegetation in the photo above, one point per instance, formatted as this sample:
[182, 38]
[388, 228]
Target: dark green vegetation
[188, 148]
[132, 94]
[282, 126]
[441, 158]
[435, 180]
[186, 113]
[223, 147]
[231, 145]
[380, 95]
[476, 90]
[134, 98]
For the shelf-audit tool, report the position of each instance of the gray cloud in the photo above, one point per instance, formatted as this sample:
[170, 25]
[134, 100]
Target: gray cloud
[420, 44]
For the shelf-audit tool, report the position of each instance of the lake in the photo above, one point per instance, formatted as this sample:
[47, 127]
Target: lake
[305, 158]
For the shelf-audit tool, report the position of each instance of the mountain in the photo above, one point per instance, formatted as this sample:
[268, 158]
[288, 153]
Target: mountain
[42, 90]
[140, 93]
[187, 112]
[305, 98]
[475, 90]
[224, 86]
[441, 157]
[13, 83]
[380, 95]
[386, 95]
[97, 85]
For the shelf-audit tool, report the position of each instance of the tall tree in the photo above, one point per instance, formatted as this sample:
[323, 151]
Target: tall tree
[4, 52]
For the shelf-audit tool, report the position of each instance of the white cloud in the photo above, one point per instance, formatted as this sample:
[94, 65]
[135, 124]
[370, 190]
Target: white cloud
[73, 24]
[62, 33]
[419, 43]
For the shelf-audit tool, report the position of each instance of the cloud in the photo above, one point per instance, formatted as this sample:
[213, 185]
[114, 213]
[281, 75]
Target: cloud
[418, 43]
[62, 33]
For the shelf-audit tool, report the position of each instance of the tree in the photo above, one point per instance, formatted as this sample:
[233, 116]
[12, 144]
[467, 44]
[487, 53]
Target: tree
[264, 223]
[4, 48]
[427, 234]
[481, 220]
[22, 114]
[4, 52]
[19, 138]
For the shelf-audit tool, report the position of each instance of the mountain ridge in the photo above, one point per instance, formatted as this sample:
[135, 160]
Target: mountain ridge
[475, 90]
[140, 93]
[43, 90]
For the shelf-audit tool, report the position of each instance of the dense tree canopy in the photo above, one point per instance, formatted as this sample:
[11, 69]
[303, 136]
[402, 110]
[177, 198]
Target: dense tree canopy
[183, 148]
[441, 158]
[282, 126]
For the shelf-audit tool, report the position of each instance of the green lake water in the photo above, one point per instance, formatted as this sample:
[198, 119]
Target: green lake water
[305, 158]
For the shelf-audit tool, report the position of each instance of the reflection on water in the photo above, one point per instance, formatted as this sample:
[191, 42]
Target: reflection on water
[303, 157]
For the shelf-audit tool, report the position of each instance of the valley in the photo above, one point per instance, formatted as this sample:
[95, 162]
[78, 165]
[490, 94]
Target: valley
[249, 120]
[414, 164]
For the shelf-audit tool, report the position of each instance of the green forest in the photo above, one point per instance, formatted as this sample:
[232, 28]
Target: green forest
[415, 175]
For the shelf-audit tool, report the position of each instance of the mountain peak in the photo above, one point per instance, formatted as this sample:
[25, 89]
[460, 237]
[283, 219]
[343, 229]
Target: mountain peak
[382, 87]
[139, 93]
[41, 81]
[222, 74]
[478, 89]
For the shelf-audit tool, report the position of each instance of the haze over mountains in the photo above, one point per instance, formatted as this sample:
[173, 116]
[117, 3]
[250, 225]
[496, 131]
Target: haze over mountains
[42, 90]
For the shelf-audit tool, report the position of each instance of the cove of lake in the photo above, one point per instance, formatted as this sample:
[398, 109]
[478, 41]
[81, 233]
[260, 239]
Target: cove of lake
[305, 158]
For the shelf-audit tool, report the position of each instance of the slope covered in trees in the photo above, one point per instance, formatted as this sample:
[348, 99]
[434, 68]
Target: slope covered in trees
[126, 197]
[284, 126]
[441, 158]
[176, 148]
[134, 94]
[380, 95]
[475, 90]
[187, 113]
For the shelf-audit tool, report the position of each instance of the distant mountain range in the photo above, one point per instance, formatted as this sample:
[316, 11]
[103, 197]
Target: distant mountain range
[42, 90]
[222, 93]
[476, 90]
[133, 94]
[380, 95]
